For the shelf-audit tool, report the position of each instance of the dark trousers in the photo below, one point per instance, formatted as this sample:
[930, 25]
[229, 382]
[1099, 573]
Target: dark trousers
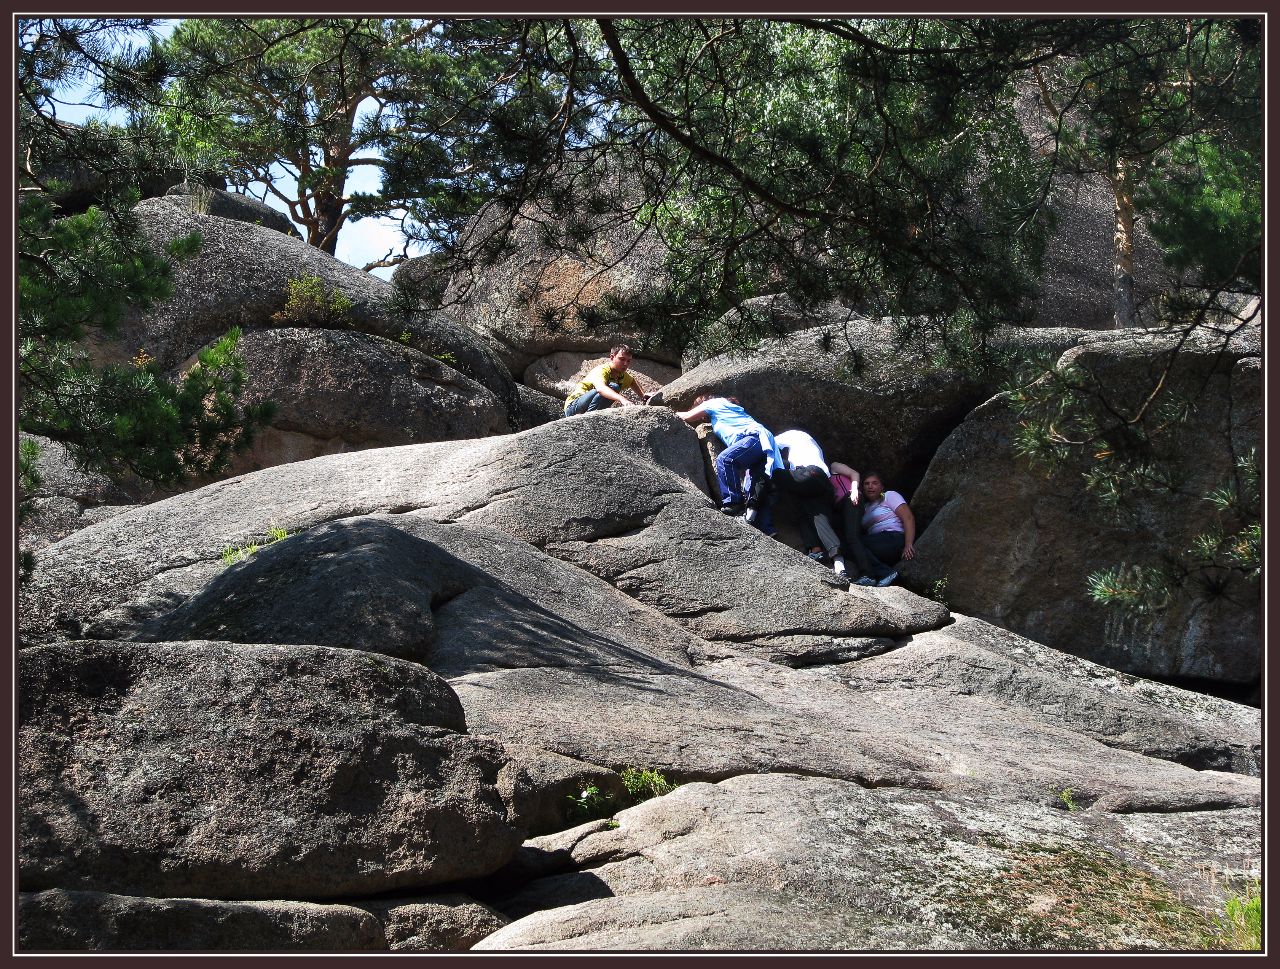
[591, 400]
[874, 555]
[811, 490]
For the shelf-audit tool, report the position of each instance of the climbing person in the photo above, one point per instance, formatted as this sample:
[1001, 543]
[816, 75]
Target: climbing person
[603, 387]
[806, 478]
[750, 457]
[882, 534]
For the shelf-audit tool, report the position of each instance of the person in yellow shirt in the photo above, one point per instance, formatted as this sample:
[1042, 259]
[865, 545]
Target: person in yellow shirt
[604, 385]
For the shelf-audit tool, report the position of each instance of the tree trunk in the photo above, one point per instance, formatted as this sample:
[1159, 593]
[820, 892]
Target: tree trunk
[328, 215]
[1122, 289]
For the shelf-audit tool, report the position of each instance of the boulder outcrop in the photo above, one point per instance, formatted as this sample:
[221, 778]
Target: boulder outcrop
[337, 390]
[231, 205]
[241, 276]
[570, 598]
[1026, 566]
[249, 772]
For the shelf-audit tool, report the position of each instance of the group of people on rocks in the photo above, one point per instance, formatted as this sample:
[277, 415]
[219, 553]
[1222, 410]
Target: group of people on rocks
[844, 517]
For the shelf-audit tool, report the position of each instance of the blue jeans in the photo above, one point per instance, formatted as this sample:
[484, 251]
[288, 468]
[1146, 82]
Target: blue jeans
[742, 457]
[591, 400]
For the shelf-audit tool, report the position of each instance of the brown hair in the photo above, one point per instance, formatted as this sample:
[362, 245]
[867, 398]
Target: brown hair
[702, 398]
[614, 351]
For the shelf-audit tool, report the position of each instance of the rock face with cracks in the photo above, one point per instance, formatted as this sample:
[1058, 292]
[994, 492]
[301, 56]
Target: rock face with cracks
[456, 639]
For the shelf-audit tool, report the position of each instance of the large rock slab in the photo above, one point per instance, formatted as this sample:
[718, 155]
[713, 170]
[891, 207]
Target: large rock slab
[1001, 741]
[548, 591]
[843, 378]
[534, 486]
[1051, 533]
[57, 921]
[972, 658]
[785, 862]
[338, 391]
[240, 277]
[534, 648]
[249, 772]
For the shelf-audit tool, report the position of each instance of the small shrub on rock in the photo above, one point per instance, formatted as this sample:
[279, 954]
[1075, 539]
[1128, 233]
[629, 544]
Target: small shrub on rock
[313, 304]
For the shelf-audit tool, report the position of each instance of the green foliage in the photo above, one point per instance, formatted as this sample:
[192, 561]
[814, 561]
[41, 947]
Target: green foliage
[29, 477]
[589, 804]
[1067, 797]
[938, 591]
[310, 303]
[314, 98]
[233, 554]
[643, 784]
[238, 553]
[1241, 924]
[26, 565]
[1207, 208]
[1147, 590]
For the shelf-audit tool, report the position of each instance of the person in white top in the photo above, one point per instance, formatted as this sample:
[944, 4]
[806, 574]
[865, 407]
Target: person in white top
[806, 477]
[888, 529]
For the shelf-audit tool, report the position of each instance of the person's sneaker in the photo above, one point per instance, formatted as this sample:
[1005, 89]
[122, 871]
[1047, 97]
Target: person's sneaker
[734, 508]
[887, 580]
[864, 580]
[751, 516]
[816, 556]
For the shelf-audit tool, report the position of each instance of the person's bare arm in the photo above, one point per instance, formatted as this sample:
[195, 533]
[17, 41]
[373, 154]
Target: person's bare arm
[852, 475]
[607, 391]
[908, 530]
[695, 416]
